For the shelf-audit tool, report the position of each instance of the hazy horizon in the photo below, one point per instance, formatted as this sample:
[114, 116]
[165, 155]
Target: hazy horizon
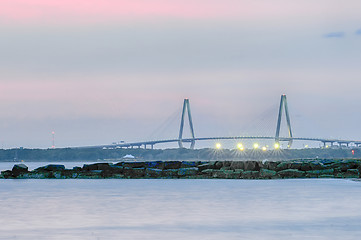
[96, 72]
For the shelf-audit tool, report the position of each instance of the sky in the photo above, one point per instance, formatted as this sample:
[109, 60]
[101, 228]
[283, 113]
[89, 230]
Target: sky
[101, 71]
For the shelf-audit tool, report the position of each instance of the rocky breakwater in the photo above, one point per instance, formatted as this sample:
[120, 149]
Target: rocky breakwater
[316, 168]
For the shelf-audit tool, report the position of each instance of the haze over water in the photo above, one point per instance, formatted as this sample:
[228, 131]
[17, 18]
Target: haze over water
[180, 209]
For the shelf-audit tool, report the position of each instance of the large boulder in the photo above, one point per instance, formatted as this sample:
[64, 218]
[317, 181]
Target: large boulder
[317, 165]
[93, 174]
[77, 169]
[105, 173]
[187, 171]
[96, 166]
[266, 173]
[134, 164]
[236, 174]
[154, 164]
[116, 169]
[211, 164]
[170, 173]
[216, 173]
[318, 173]
[283, 166]
[291, 173]
[306, 166]
[296, 165]
[50, 168]
[188, 164]
[226, 168]
[138, 172]
[128, 172]
[7, 174]
[233, 174]
[237, 165]
[19, 169]
[222, 174]
[38, 175]
[207, 172]
[205, 166]
[270, 165]
[250, 175]
[153, 173]
[327, 162]
[218, 165]
[58, 175]
[326, 176]
[172, 164]
[68, 173]
[351, 173]
[226, 164]
[252, 165]
[348, 164]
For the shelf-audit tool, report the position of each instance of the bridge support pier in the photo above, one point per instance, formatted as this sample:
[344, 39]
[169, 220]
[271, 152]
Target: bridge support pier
[187, 108]
[283, 103]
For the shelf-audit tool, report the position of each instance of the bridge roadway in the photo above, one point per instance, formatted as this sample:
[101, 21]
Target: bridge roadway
[281, 139]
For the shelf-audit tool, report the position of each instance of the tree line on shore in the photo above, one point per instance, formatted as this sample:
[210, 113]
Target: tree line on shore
[94, 154]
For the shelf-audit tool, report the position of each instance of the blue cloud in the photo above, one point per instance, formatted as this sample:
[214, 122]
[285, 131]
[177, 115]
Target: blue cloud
[335, 35]
[358, 32]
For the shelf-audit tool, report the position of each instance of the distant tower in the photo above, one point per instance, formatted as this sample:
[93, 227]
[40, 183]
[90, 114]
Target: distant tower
[16, 155]
[180, 139]
[283, 103]
[53, 142]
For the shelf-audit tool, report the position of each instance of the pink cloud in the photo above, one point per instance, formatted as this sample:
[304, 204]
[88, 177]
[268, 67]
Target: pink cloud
[25, 11]
[95, 10]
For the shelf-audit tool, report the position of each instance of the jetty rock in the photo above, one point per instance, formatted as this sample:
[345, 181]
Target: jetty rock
[19, 169]
[307, 168]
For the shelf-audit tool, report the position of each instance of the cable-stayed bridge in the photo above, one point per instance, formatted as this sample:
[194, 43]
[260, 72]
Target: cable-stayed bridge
[186, 114]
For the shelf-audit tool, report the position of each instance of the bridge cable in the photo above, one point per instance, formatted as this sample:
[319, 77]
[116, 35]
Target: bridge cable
[165, 125]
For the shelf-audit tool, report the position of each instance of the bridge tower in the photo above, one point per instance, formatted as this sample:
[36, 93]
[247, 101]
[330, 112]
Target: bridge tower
[187, 108]
[283, 104]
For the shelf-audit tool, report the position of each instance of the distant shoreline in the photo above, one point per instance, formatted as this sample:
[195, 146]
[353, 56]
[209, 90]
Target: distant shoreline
[69, 154]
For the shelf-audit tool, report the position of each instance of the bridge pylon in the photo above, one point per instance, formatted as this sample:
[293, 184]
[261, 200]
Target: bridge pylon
[283, 104]
[187, 108]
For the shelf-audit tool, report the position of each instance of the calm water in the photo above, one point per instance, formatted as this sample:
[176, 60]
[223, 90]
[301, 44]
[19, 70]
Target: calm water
[180, 209]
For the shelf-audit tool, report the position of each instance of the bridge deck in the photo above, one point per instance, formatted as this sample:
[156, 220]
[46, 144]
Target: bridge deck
[153, 142]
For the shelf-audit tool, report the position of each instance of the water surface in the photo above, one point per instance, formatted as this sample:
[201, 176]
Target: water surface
[179, 209]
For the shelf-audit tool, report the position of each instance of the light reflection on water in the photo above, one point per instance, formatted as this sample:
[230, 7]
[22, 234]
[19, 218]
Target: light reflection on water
[179, 209]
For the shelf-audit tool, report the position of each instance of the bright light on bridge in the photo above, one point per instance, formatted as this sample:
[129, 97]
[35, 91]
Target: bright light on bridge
[277, 146]
[240, 146]
[255, 145]
[264, 149]
[218, 146]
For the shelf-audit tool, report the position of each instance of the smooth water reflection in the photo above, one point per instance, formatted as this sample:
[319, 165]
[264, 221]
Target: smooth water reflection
[180, 209]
